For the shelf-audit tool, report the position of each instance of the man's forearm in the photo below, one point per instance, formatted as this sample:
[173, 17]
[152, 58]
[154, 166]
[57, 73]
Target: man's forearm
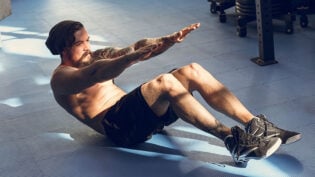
[105, 69]
[110, 52]
[164, 43]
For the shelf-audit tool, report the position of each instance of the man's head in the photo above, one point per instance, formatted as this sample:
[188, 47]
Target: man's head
[62, 36]
[70, 40]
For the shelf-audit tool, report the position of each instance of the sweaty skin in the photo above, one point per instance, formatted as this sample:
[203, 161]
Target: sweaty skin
[83, 83]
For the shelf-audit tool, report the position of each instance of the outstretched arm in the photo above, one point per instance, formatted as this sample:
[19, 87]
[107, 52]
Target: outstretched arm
[111, 62]
[164, 43]
[70, 80]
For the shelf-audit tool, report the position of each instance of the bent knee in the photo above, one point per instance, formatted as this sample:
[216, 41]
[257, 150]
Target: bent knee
[192, 71]
[167, 82]
[164, 84]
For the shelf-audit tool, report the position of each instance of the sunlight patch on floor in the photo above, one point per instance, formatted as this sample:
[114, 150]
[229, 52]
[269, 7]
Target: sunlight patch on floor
[12, 102]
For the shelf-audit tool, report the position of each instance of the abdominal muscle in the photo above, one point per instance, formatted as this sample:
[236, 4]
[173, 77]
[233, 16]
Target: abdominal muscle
[91, 105]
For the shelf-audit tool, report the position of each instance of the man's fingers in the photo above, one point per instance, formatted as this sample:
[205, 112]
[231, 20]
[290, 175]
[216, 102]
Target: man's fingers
[191, 27]
[180, 35]
[195, 25]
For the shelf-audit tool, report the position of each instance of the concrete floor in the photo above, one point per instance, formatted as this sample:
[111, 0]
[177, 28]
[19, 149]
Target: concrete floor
[39, 139]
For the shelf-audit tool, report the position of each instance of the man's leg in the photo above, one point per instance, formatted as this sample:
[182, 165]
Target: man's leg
[169, 90]
[166, 90]
[177, 90]
[195, 78]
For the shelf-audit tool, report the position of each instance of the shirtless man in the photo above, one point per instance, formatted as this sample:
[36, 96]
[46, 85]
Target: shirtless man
[83, 84]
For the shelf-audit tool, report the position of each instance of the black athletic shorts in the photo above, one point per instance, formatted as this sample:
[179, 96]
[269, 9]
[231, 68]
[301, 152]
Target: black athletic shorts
[131, 121]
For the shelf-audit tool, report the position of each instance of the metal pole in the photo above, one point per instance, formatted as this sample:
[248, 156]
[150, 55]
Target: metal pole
[265, 33]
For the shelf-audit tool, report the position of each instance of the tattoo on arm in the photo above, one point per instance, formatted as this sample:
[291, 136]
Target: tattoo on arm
[122, 52]
[144, 42]
[110, 52]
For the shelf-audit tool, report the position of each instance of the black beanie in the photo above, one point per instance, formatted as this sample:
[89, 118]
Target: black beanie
[60, 35]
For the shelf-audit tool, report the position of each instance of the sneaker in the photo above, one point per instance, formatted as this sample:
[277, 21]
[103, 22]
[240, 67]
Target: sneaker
[259, 126]
[244, 147]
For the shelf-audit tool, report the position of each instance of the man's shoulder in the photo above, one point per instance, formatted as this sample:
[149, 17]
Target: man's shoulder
[60, 72]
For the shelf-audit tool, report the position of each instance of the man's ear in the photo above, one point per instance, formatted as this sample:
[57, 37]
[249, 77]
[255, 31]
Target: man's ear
[65, 53]
[62, 54]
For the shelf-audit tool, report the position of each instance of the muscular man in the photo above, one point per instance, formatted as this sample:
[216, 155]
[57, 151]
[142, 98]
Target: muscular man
[83, 84]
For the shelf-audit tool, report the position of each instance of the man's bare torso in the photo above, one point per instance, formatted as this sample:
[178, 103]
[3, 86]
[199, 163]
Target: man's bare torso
[91, 105]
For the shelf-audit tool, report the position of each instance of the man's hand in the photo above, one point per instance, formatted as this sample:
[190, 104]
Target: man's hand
[170, 40]
[180, 35]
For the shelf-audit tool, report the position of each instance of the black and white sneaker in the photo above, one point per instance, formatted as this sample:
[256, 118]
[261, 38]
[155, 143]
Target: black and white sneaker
[244, 146]
[260, 126]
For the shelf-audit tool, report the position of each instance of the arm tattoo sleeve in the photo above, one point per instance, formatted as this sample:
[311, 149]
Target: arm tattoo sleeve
[110, 52]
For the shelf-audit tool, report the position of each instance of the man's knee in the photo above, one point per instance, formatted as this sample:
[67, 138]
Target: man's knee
[162, 83]
[171, 82]
[192, 70]
[167, 82]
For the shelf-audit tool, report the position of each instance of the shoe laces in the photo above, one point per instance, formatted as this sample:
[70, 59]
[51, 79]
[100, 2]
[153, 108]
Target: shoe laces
[251, 140]
[265, 121]
[270, 128]
[245, 139]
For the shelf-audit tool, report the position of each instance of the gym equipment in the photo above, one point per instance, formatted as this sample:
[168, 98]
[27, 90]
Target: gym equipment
[220, 6]
[303, 8]
[246, 12]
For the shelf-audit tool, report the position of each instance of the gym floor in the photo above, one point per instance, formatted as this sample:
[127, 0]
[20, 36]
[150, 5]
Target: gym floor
[40, 139]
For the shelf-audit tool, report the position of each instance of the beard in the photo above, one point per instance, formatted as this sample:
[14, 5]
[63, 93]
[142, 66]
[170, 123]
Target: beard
[84, 60]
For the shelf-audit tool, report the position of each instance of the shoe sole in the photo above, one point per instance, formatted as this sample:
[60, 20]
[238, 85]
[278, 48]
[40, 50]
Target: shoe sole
[270, 151]
[242, 162]
[292, 139]
[273, 149]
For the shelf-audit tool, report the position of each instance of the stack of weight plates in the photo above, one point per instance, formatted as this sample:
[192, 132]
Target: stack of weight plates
[248, 7]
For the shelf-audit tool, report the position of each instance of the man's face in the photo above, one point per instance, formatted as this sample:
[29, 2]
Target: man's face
[79, 53]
